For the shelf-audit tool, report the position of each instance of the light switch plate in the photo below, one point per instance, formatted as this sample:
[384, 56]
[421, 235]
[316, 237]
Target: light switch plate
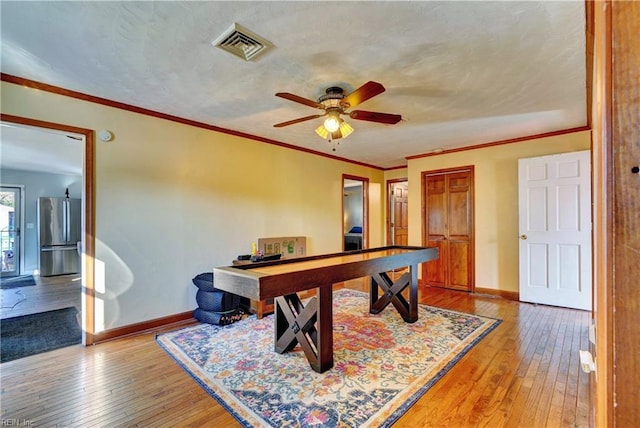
[586, 362]
[592, 333]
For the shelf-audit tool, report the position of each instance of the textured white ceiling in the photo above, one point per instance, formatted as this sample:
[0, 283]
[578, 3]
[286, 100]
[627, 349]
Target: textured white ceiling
[26, 148]
[459, 73]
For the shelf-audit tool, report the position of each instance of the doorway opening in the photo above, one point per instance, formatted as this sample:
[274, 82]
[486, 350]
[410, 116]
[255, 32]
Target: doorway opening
[11, 207]
[397, 214]
[355, 212]
[82, 140]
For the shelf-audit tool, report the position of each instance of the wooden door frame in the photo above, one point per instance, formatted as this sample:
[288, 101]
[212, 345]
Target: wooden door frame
[365, 208]
[390, 184]
[615, 187]
[599, 19]
[472, 234]
[88, 290]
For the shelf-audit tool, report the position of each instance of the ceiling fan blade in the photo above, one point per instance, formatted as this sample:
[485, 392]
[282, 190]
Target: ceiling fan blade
[362, 94]
[297, 99]
[301, 119]
[373, 116]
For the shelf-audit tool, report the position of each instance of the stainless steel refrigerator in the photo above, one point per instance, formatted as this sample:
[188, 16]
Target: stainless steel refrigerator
[59, 230]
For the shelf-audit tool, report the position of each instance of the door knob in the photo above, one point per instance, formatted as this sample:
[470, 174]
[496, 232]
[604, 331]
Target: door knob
[523, 237]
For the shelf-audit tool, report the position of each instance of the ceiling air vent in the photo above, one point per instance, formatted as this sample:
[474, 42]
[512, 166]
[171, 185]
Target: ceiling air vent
[242, 42]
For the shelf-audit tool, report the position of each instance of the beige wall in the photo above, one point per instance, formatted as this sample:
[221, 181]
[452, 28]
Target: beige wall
[173, 201]
[496, 200]
[394, 174]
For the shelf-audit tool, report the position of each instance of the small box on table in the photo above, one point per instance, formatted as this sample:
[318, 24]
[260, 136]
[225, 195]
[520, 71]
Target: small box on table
[289, 247]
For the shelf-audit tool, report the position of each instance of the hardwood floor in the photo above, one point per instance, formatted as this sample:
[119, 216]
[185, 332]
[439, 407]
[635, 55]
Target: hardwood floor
[49, 293]
[523, 374]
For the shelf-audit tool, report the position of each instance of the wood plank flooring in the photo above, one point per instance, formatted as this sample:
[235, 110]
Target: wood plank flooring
[523, 374]
[49, 293]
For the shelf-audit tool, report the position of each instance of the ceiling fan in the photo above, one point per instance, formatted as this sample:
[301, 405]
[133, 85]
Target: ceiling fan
[335, 103]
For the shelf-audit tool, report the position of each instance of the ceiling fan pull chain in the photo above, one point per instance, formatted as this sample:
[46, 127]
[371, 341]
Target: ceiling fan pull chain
[335, 143]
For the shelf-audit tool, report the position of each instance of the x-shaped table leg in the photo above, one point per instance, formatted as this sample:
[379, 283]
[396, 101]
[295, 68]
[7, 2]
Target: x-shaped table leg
[392, 294]
[310, 326]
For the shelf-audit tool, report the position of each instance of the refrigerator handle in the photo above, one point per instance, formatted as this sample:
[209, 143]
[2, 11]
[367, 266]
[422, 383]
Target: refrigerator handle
[65, 219]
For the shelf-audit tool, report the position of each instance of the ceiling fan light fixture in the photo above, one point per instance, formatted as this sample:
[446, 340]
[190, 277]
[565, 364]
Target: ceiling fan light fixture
[345, 129]
[335, 103]
[322, 132]
[332, 123]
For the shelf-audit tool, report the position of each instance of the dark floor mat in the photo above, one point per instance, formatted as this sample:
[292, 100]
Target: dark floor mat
[32, 334]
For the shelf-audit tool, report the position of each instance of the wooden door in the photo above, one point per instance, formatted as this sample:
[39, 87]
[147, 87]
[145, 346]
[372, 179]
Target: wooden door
[398, 215]
[448, 225]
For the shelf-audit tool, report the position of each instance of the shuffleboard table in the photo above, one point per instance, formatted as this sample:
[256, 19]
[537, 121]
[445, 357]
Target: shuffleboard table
[311, 326]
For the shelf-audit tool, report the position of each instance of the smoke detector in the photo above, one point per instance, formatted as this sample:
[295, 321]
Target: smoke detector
[242, 42]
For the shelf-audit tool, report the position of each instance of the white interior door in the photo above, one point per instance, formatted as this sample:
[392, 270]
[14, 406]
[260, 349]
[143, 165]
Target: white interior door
[555, 229]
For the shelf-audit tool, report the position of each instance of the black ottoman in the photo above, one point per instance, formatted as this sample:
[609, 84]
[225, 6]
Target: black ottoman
[215, 306]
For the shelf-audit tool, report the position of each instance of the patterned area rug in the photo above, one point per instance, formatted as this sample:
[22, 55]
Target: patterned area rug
[382, 365]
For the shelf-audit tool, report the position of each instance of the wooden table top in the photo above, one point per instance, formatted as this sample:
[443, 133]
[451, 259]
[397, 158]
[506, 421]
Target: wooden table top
[263, 280]
[338, 259]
